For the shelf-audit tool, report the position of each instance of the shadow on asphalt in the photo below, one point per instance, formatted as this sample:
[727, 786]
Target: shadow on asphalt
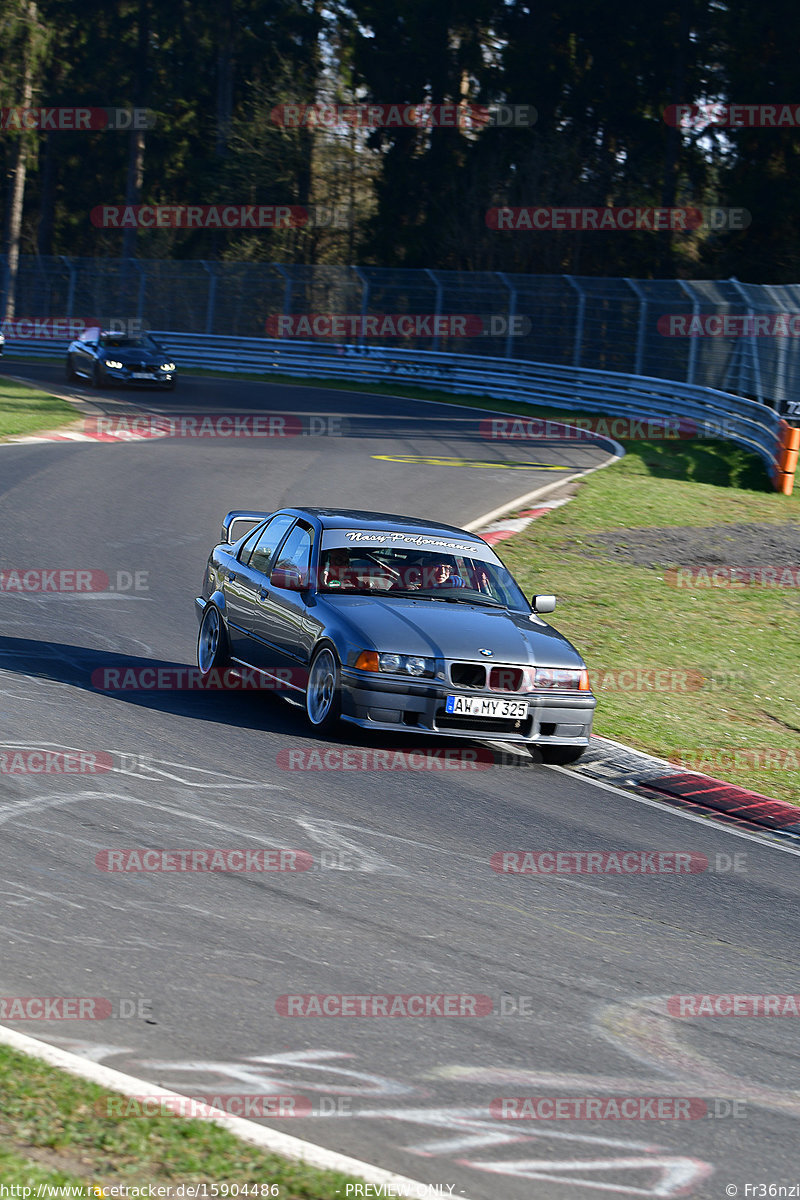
[106, 674]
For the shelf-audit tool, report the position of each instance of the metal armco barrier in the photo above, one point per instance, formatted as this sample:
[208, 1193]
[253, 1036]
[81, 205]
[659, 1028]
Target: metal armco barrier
[719, 333]
[715, 413]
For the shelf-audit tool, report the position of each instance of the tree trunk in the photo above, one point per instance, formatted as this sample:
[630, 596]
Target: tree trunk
[18, 187]
[136, 142]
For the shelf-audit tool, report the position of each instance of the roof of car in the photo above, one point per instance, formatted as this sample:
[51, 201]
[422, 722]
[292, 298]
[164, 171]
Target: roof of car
[346, 518]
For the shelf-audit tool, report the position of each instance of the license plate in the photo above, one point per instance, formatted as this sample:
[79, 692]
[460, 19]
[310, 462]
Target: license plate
[486, 706]
[142, 375]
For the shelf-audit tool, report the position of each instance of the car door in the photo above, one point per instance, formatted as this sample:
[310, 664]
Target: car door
[288, 631]
[244, 586]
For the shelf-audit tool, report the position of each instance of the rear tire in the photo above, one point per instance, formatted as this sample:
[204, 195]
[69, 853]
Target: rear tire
[323, 691]
[213, 653]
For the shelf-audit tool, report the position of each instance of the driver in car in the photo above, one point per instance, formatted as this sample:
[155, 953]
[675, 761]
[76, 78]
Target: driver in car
[437, 573]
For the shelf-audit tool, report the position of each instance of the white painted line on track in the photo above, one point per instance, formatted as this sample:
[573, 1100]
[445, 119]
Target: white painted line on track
[247, 1131]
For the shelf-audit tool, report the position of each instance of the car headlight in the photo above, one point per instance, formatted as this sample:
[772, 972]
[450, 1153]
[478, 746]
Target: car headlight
[574, 679]
[395, 664]
[167, 367]
[112, 362]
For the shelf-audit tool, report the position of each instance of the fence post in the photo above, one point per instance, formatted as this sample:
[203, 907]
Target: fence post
[693, 342]
[287, 291]
[364, 302]
[71, 288]
[212, 295]
[142, 286]
[439, 293]
[634, 286]
[579, 320]
[512, 311]
[779, 389]
[753, 348]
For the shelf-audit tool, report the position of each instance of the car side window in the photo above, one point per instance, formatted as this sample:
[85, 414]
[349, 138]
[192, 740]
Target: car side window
[296, 550]
[247, 546]
[268, 542]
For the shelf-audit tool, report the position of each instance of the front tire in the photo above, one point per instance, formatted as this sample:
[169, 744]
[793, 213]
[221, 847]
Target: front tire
[212, 642]
[323, 691]
[561, 756]
[71, 374]
[95, 379]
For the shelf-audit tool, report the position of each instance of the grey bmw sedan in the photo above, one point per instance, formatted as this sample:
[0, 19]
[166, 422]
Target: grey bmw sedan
[391, 623]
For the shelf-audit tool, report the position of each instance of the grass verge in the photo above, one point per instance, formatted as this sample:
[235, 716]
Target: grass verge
[732, 653]
[51, 1133]
[24, 410]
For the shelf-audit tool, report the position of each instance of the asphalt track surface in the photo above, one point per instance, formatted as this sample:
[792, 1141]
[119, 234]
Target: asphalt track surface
[402, 898]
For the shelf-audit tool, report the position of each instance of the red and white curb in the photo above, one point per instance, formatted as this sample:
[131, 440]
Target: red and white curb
[612, 762]
[247, 1131]
[66, 435]
[498, 531]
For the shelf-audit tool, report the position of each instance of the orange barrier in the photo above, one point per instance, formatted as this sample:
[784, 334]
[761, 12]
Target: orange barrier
[783, 477]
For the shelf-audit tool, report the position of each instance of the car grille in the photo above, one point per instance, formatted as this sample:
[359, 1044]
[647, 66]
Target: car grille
[497, 679]
[471, 675]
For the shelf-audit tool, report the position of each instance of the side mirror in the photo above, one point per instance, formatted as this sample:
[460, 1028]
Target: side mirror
[289, 578]
[543, 604]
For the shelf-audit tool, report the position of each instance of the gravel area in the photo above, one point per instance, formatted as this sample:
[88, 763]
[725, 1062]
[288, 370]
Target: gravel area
[690, 545]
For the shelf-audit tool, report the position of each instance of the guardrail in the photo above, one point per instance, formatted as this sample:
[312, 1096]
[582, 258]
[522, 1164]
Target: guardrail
[714, 413]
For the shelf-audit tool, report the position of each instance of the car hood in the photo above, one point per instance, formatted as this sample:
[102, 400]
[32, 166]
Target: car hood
[131, 356]
[455, 631]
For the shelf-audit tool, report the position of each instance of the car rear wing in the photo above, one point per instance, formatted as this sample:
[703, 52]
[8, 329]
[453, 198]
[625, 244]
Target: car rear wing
[239, 522]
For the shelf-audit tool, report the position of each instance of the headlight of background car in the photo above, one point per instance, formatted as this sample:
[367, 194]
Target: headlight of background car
[562, 679]
[396, 664]
[115, 366]
[167, 366]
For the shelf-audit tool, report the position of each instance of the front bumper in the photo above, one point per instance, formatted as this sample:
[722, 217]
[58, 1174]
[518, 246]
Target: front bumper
[162, 379]
[385, 702]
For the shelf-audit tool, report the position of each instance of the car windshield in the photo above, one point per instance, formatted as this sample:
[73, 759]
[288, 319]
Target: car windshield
[114, 341]
[465, 574]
